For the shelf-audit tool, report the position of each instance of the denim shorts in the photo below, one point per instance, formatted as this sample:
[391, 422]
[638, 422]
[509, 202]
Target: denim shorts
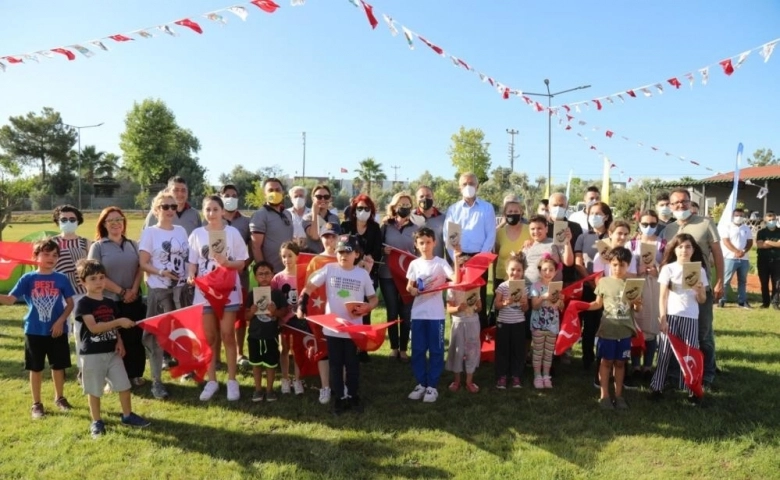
[609, 349]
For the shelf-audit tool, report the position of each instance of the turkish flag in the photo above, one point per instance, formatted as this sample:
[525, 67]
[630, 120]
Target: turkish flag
[631, 93]
[13, 60]
[398, 262]
[12, 254]
[574, 291]
[344, 170]
[308, 347]
[471, 273]
[435, 48]
[370, 14]
[609, 133]
[64, 51]
[181, 333]
[306, 265]
[728, 68]
[265, 5]
[189, 24]
[571, 329]
[121, 38]
[487, 350]
[674, 82]
[367, 338]
[638, 342]
[216, 287]
[691, 363]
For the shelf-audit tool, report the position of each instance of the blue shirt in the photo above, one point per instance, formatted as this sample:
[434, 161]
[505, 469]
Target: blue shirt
[478, 224]
[45, 296]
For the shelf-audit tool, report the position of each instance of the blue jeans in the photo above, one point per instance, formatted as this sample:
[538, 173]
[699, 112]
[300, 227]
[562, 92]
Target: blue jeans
[396, 309]
[741, 267]
[427, 337]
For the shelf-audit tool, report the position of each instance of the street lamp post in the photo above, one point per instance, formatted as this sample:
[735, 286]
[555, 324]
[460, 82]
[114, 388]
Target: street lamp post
[549, 121]
[79, 157]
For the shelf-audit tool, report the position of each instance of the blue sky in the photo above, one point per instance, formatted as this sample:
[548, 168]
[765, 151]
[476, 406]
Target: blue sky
[248, 89]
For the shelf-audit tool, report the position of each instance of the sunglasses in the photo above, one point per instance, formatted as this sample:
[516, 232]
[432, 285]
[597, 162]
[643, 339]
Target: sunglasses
[322, 197]
[362, 209]
[168, 207]
[648, 224]
[68, 219]
[115, 220]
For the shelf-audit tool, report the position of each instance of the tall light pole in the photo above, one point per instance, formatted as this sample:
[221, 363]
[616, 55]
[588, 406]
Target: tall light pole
[79, 158]
[549, 122]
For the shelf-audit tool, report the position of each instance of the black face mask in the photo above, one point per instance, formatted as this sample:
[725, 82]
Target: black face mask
[513, 219]
[404, 212]
[426, 203]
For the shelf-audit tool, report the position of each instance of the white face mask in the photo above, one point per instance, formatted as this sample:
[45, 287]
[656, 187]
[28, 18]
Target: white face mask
[469, 191]
[738, 220]
[363, 216]
[69, 227]
[557, 213]
[665, 211]
[681, 214]
[596, 221]
[298, 202]
[647, 230]
[231, 203]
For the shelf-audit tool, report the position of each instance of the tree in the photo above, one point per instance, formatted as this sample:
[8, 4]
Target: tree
[763, 157]
[469, 153]
[108, 166]
[12, 190]
[90, 161]
[40, 140]
[370, 172]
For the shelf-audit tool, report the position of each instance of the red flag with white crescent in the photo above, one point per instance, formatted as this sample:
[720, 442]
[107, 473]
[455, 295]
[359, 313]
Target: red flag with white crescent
[181, 334]
[398, 262]
[571, 329]
[186, 22]
[216, 287]
[367, 338]
[265, 5]
[370, 14]
[308, 348]
[691, 363]
[12, 254]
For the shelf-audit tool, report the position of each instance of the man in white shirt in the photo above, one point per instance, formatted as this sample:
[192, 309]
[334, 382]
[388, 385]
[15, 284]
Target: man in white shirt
[592, 195]
[737, 240]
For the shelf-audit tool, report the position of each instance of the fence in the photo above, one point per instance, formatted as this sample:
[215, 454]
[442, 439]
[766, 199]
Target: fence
[88, 202]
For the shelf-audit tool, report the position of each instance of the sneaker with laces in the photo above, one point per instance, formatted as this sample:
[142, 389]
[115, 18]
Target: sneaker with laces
[233, 392]
[36, 411]
[431, 394]
[417, 393]
[285, 386]
[158, 390]
[516, 382]
[208, 391]
[298, 387]
[63, 404]
[324, 395]
[547, 381]
[97, 428]
[501, 383]
[270, 397]
[134, 420]
[257, 396]
[538, 382]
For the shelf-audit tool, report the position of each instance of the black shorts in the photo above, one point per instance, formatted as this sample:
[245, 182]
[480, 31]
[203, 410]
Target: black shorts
[39, 347]
[263, 352]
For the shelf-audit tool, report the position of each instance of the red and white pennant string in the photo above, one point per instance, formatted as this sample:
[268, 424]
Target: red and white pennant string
[728, 66]
[87, 49]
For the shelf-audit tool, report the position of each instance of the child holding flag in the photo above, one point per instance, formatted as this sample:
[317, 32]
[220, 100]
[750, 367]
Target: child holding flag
[510, 328]
[545, 321]
[679, 306]
[286, 282]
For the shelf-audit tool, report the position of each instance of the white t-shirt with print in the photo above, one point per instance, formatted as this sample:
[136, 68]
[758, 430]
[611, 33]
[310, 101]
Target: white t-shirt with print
[434, 272]
[342, 286]
[169, 250]
[682, 301]
[199, 254]
[601, 265]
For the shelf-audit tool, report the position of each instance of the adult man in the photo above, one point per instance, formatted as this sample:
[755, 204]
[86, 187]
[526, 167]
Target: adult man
[231, 216]
[271, 225]
[477, 219]
[706, 235]
[736, 242]
[186, 216]
[768, 245]
[592, 195]
[429, 216]
[297, 211]
[557, 212]
[664, 212]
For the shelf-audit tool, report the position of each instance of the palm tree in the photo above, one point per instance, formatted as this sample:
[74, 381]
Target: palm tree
[107, 166]
[90, 159]
[370, 172]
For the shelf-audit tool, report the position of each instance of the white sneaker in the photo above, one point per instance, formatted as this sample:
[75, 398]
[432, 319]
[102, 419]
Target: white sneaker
[298, 387]
[417, 393]
[346, 392]
[431, 394]
[285, 386]
[208, 391]
[233, 392]
[324, 395]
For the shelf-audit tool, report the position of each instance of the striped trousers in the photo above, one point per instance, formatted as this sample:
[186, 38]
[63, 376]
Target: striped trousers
[687, 329]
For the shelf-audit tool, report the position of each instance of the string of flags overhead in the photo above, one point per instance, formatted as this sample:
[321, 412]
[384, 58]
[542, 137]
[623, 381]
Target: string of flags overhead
[88, 48]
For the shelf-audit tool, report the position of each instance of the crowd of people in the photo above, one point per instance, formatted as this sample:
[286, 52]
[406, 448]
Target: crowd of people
[98, 284]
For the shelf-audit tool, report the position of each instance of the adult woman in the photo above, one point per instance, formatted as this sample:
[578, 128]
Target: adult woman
[314, 222]
[362, 224]
[164, 251]
[201, 262]
[510, 237]
[599, 221]
[397, 232]
[119, 256]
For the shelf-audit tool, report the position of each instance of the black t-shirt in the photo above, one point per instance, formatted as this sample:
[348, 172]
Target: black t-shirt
[104, 311]
[370, 242]
[569, 273]
[768, 254]
[261, 327]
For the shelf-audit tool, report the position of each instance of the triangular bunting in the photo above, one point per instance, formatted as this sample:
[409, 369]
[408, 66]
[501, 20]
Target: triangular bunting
[186, 22]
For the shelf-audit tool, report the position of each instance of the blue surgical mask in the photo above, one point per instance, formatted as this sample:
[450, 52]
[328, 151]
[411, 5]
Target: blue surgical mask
[771, 224]
[647, 230]
[68, 227]
[596, 221]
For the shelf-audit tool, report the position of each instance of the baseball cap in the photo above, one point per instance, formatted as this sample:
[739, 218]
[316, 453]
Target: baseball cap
[279, 299]
[347, 243]
[331, 229]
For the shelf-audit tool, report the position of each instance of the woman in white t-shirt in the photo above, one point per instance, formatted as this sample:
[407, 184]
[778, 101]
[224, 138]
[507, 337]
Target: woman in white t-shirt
[163, 252]
[233, 256]
[678, 305]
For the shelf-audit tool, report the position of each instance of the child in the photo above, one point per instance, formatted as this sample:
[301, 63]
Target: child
[540, 245]
[344, 282]
[48, 295]
[545, 322]
[263, 336]
[618, 237]
[510, 326]
[617, 326]
[464, 349]
[427, 272]
[679, 306]
[101, 348]
[286, 281]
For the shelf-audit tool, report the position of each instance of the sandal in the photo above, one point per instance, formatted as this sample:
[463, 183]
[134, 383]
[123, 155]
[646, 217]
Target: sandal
[403, 357]
[472, 387]
[454, 386]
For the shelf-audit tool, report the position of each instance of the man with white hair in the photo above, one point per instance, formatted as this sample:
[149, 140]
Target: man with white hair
[558, 206]
[297, 211]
